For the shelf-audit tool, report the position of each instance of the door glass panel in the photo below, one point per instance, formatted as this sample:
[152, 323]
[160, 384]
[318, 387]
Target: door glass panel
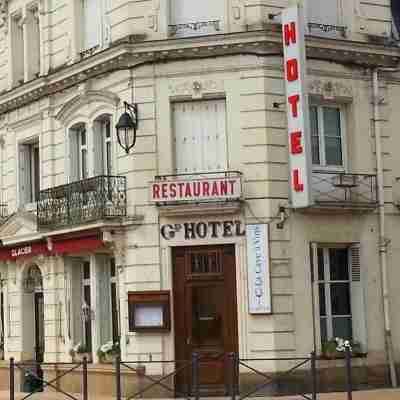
[324, 330]
[339, 266]
[206, 318]
[322, 305]
[320, 253]
[342, 327]
[340, 299]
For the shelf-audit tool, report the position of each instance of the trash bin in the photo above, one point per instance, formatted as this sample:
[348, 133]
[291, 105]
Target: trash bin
[32, 383]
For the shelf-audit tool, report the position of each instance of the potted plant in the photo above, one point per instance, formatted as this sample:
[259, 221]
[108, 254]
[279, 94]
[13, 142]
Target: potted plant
[336, 348]
[108, 351]
[79, 351]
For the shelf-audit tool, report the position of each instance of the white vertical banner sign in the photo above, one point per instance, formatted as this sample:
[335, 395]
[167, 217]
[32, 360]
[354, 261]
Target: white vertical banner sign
[258, 269]
[294, 53]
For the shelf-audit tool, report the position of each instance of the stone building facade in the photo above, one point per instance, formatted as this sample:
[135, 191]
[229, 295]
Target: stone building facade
[86, 232]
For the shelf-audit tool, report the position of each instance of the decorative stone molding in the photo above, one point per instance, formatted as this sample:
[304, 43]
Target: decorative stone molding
[84, 99]
[330, 90]
[197, 88]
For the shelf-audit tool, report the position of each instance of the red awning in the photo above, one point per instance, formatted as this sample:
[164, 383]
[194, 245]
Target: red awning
[64, 246]
[25, 250]
[77, 245]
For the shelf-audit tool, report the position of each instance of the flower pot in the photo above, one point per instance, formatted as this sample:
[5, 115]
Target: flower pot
[109, 358]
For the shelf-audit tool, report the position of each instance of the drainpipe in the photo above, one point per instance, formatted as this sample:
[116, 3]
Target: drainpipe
[382, 239]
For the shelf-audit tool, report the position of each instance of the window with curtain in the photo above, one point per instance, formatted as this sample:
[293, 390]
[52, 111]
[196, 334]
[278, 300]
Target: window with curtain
[200, 136]
[340, 294]
[327, 136]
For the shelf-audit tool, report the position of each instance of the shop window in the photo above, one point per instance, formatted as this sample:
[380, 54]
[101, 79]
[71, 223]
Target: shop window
[200, 136]
[340, 294]
[95, 27]
[327, 136]
[29, 172]
[194, 18]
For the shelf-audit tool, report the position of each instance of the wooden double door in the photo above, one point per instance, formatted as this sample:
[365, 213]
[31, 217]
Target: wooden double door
[205, 314]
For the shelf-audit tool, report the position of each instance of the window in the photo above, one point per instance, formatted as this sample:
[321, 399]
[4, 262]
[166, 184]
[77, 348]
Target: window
[96, 28]
[25, 57]
[102, 146]
[29, 172]
[33, 48]
[200, 136]
[327, 142]
[17, 49]
[78, 153]
[340, 294]
[100, 158]
[114, 302]
[194, 18]
[325, 12]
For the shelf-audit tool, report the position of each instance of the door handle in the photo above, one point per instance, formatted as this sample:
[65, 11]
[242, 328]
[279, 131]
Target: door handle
[189, 340]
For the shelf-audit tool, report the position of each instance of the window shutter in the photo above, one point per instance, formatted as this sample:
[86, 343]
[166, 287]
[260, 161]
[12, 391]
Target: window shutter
[357, 297]
[103, 297]
[200, 136]
[91, 23]
[98, 153]
[75, 296]
[73, 155]
[24, 174]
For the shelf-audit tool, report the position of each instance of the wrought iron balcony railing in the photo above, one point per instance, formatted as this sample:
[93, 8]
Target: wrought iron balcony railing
[88, 200]
[340, 189]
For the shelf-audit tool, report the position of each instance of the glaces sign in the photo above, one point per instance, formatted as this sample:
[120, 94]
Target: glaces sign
[297, 106]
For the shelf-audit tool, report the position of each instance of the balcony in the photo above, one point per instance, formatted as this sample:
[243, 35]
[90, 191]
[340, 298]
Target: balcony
[340, 191]
[3, 212]
[81, 202]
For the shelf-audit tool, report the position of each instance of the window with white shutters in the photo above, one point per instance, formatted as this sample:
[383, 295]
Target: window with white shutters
[200, 136]
[29, 172]
[194, 18]
[340, 293]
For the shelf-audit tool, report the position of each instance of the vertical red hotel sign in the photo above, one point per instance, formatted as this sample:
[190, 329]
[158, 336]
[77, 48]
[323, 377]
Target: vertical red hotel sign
[297, 107]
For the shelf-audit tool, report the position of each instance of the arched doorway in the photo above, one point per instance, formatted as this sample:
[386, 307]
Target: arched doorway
[33, 314]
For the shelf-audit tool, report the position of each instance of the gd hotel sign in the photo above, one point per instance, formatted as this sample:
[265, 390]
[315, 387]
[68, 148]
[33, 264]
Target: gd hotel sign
[297, 107]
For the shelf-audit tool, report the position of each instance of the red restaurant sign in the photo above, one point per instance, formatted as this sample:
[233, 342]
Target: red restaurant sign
[297, 106]
[196, 190]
